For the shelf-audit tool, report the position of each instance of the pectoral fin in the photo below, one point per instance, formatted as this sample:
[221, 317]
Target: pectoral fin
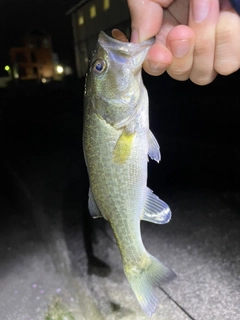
[92, 206]
[153, 147]
[156, 210]
[123, 148]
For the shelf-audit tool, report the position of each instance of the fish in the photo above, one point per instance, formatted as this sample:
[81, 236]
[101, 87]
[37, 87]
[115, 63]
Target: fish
[117, 144]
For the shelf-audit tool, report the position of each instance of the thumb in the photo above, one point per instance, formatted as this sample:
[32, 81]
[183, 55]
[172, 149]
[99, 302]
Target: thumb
[146, 19]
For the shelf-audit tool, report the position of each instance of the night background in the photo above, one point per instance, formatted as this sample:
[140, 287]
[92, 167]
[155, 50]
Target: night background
[55, 261]
[18, 17]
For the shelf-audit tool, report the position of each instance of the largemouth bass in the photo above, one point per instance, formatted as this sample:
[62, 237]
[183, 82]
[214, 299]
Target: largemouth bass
[117, 142]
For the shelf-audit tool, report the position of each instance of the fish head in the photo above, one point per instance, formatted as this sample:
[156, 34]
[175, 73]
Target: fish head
[114, 80]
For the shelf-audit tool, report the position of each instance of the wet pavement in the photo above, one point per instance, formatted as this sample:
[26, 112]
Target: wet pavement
[51, 264]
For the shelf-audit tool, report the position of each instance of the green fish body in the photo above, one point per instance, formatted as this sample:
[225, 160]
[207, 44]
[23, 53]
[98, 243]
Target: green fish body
[117, 142]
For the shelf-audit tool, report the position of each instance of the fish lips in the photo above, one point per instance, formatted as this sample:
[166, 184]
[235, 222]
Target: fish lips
[125, 52]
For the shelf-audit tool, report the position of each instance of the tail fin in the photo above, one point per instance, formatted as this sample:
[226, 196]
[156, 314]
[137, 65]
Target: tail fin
[142, 280]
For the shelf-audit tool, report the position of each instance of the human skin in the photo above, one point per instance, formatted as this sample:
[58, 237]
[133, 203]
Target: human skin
[194, 39]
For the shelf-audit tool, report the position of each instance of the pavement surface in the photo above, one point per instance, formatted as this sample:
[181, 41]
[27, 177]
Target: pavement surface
[45, 273]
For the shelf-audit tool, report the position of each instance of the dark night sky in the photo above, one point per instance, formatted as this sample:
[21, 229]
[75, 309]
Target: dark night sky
[19, 16]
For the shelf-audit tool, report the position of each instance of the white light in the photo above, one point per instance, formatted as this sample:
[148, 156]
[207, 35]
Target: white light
[67, 71]
[59, 69]
[44, 80]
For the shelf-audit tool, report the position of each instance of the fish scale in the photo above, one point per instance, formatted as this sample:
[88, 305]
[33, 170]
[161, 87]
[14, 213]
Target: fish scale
[117, 142]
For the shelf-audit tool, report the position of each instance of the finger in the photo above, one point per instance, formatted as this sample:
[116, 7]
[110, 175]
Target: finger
[146, 18]
[203, 20]
[227, 53]
[159, 57]
[119, 35]
[180, 41]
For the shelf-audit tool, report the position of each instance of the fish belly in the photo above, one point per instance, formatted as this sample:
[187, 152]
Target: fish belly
[117, 188]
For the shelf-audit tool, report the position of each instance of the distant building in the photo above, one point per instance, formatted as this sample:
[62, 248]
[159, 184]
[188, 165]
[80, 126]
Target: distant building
[4, 81]
[34, 60]
[89, 17]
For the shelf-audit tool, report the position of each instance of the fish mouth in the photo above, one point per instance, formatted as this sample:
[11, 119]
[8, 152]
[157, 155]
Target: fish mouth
[119, 110]
[127, 48]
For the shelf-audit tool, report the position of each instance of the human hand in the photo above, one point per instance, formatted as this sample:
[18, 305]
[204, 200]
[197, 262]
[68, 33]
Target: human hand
[195, 39]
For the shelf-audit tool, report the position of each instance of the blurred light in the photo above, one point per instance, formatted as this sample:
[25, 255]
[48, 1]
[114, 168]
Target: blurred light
[44, 80]
[81, 20]
[59, 69]
[15, 74]
[93, 11]
[67, 71]
[106, 4]
[7, 68]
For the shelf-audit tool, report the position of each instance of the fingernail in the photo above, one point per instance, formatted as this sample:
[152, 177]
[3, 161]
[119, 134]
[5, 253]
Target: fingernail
[180, 47]
[134, 36]
[200, 10]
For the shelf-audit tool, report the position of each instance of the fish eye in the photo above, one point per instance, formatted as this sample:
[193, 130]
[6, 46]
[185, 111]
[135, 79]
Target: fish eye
[99, 66]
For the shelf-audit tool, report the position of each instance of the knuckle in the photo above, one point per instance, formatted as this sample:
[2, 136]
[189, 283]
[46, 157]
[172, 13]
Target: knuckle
[204, 44]
[224, 30]
[180, 77]
[203, 79]
[203, 48]
[180, 72]
[227, 58]
[226, 66]
[224, 36]
[227, 46]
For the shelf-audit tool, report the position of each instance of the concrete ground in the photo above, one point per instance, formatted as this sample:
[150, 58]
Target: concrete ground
[44, 270]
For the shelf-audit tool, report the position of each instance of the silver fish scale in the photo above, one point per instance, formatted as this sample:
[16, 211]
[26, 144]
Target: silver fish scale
[117, 142]
[119, 189]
